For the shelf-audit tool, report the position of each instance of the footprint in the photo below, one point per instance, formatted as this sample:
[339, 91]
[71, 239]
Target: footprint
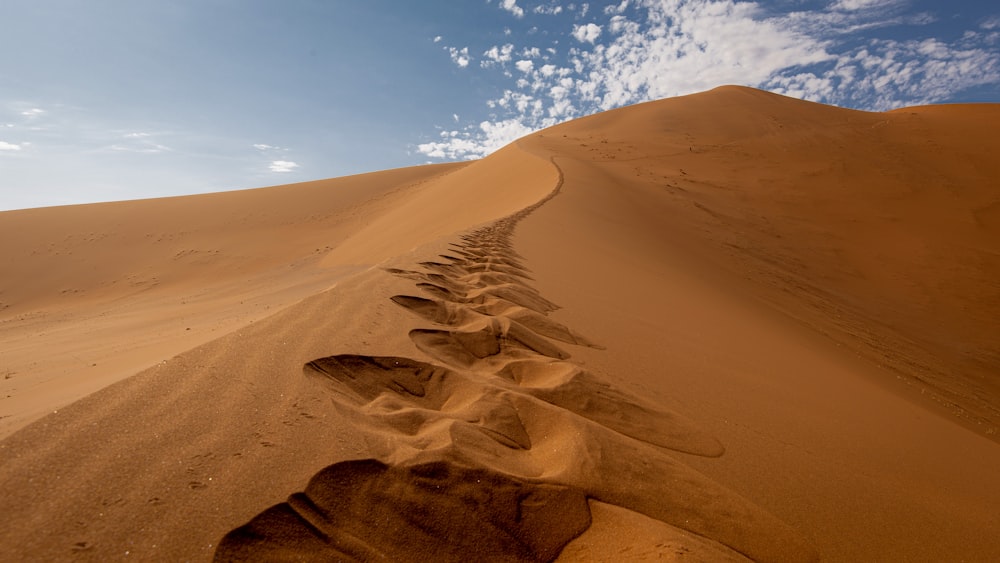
[365, 378]
[81, 546]
[566, 385]
[407, 395]
[547, 327]
[450, 314]
[434, 414]
[512, 293]
[496, 341]
[365, 510]
[434, 310]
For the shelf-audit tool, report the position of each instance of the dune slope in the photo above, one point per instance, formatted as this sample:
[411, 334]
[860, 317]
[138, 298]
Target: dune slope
[94, 293]
[689, 328]
[877, 229]
[696, 238]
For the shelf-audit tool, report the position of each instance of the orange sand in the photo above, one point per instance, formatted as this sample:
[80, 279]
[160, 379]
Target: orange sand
[723, 326]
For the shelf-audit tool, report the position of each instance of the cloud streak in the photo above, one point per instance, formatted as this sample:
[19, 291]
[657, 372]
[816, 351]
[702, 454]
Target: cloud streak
[282, 166]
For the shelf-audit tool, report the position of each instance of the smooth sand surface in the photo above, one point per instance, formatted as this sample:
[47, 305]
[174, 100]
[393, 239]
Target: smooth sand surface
[719, 327]
[92, 294]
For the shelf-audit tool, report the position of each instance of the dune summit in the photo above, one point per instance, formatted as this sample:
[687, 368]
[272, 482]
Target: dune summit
[725, 326]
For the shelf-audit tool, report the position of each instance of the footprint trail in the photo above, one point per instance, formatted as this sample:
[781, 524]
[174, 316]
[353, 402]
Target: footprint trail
[492, 451]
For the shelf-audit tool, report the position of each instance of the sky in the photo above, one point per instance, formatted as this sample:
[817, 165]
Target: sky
[123, 99]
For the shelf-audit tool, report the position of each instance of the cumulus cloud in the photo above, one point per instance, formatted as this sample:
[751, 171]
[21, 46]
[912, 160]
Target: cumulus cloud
[497, 54]
[263, 147]
[587, 33]
[512, 7]
[437, 38]
[616, 9]
[283, 166]
[638, 50]
[888, 74]
[548, 10]
[5, 146]
[524, 66]
[476, 142]
[459, 56]
[32, 112]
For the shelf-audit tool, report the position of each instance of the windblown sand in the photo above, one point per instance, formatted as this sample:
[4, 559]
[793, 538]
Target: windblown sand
[723, 326]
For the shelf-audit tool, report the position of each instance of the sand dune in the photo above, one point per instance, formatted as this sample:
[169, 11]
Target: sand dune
[720, 327]
[92, 294]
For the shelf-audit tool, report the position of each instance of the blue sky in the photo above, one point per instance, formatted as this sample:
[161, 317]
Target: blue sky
[122, 99]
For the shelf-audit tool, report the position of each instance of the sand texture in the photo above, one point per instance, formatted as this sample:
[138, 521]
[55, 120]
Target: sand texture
[722, 327]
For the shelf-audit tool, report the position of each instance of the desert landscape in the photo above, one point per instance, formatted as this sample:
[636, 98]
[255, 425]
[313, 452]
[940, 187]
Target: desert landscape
[719, 327]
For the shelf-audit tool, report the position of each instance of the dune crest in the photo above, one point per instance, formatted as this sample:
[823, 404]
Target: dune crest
[494, 408]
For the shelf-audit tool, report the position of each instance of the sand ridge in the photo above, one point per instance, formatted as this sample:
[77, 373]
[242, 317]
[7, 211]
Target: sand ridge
[504, 402]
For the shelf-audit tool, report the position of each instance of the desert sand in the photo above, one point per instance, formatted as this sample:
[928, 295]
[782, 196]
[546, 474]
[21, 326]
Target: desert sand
[718, 327]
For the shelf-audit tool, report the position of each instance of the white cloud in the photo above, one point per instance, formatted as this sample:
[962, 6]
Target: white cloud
[497, 54]
[662, 48]
[512, 7]
[437, 38]
[844, 19]
[4, 146]
[263, 147]
[853, 5]
[889, 74]
[459, 56]
[141, 148]
[476, 142]
[140, 143]
[151, 148]
[687, 46]
[283, 166]
[33, 112]
[619, 9]
[548, 10]
[587, 33]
